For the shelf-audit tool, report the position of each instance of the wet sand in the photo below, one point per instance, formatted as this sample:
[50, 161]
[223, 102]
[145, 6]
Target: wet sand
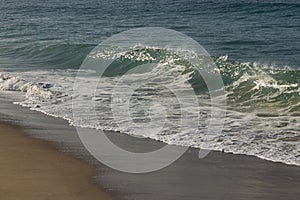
[217, 176]
[32, 169]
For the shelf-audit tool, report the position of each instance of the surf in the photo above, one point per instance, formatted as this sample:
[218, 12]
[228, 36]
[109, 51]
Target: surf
[262, 102]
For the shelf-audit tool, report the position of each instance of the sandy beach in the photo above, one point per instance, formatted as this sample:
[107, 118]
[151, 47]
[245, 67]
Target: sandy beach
[33, 169]
[217, 176]
[116, 99]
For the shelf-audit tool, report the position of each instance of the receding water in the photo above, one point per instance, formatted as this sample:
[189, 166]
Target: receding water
[42, 44]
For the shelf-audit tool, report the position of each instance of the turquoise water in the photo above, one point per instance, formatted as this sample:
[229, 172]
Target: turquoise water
[256, 47]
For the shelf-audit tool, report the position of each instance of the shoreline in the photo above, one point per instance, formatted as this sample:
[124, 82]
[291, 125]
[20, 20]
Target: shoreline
[34, 169]
[217, 176]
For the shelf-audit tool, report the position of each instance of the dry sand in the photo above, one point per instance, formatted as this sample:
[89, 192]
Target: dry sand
[32, 169]
[217, 176]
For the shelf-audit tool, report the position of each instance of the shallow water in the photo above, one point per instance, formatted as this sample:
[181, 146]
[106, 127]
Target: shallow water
[42, 44]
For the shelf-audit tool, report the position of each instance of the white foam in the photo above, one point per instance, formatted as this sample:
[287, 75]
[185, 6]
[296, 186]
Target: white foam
[50, 92]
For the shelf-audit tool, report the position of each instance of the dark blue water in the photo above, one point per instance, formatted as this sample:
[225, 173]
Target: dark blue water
[42, 42]
[59, 34]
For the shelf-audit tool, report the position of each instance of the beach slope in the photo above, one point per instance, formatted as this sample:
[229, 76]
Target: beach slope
[32, 169]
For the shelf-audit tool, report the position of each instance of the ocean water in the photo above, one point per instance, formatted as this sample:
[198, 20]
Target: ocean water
[255, 45]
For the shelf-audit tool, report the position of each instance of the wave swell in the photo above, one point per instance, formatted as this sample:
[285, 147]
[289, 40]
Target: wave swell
[263, 109]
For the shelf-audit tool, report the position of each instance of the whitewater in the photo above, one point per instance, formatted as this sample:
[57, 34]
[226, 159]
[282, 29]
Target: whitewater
[262, 114]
